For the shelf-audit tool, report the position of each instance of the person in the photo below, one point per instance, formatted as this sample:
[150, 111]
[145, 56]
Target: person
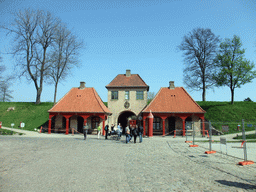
[127, 134]
[85, 130]
[106, 132]
[135, 133]
[131, 132]
[99, 128]
[140, 133]
[118, 131]
[112, 127]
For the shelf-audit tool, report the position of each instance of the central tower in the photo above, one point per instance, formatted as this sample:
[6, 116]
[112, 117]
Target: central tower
[127, 96]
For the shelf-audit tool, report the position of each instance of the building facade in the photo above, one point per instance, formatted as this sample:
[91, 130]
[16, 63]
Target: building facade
[173, 110]
[127, 97]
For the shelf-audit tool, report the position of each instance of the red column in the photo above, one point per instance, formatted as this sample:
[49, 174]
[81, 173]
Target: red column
[163, 127]
[67, 125]
[183, 128]
[104, 126]
[150, 124]
[49, 125]
[163, 118]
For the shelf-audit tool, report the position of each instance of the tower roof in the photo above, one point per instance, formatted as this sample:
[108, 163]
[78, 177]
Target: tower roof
[122, 80]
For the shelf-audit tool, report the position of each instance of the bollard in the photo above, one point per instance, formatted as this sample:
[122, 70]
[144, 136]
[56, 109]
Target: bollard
[0, 124]
[41, 129]
[72, 131]
[174, 134]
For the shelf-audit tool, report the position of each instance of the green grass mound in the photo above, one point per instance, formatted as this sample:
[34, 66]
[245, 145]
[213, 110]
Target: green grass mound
[224, 114]
[34, 116]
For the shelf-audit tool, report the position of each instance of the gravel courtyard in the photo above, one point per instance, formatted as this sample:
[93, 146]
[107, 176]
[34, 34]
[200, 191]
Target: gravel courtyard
[157, 164]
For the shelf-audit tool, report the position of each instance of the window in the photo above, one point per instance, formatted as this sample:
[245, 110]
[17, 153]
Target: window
[126, 95]
[139, 95]
[157, 125]
[95, 122]
[114, 94]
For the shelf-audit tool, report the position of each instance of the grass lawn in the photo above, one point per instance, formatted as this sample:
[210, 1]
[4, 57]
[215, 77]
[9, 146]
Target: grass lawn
[8, 132]
[34, 116]
[223, 113]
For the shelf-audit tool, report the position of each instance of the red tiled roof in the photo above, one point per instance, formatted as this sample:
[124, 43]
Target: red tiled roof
[122, 80]
[80, 100]
[175, 100]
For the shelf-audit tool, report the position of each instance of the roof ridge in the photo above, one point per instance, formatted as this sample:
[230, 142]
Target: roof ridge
[97, 98]
[153, 99]
[142, 80]
[193, 99]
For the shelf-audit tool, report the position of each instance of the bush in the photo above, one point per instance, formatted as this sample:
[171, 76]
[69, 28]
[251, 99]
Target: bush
[248, 99]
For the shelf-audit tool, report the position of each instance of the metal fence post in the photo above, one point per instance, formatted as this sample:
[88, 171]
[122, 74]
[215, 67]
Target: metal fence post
[244, 140]
[210, 141]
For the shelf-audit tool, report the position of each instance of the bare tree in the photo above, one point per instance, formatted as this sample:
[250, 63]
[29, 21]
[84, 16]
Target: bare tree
[33, 32]
[200, 47]
[5, 92]
[151, 96]
[64, 56]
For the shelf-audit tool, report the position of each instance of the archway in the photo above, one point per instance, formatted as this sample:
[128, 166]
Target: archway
[123, 118]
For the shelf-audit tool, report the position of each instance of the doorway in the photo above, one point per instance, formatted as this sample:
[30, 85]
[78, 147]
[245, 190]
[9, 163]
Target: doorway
[123, 119]
[171, 122]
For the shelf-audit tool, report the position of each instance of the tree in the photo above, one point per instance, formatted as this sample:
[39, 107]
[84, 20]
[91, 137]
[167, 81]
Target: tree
[64, 55]
[200, 47]
[5, 83]
[33, 32]
[151, 96]
[234, 69]
[5, 92]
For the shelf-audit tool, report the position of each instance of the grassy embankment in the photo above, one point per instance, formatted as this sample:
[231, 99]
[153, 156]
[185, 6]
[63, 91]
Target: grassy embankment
[223, 113]
[35, 116]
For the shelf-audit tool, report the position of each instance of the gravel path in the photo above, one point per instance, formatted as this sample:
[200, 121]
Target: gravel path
[157, 164]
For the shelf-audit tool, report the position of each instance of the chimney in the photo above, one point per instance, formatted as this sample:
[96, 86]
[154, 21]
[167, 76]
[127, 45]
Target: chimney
[128, 73]
[171, 85]
[82, 85]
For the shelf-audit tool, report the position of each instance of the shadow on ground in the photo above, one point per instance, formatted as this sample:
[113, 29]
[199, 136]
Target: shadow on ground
[236, 184]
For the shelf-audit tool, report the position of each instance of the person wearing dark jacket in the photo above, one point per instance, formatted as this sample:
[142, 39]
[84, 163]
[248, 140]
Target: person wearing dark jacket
[135, 133]
[106, 132]
[85, 129]
[140, 133]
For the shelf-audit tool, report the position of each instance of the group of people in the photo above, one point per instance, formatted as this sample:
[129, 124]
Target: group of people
[130, 131]
[133, 131]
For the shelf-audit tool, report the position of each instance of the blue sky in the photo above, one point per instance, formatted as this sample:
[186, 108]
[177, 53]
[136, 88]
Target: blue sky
[140, 35]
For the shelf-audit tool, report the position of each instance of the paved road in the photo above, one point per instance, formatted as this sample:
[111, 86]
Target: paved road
[66, 163]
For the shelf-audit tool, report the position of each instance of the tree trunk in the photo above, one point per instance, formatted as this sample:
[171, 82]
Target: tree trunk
[38, 95]
[203, 95]
[55, 92]
[232, 96]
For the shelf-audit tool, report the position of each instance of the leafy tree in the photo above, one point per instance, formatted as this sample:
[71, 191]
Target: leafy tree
[234, 69]
[34, 32]
[200, 47]
[64, 55]
[248, 99]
